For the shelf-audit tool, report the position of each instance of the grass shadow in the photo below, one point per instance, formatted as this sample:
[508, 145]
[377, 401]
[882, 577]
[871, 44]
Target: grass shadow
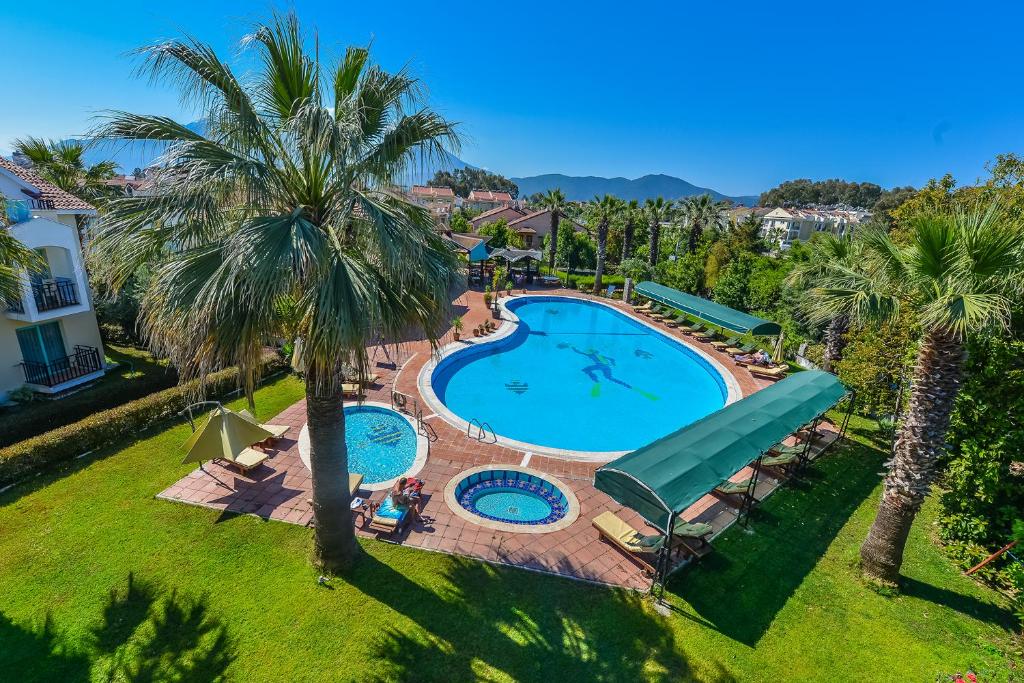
[143, 634]
[741, 586]
[487, 622]
[968, 605]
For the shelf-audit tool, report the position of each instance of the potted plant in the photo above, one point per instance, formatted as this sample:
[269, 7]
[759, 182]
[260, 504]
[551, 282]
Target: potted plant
[487, 299]
[456, 327]
[508, 288]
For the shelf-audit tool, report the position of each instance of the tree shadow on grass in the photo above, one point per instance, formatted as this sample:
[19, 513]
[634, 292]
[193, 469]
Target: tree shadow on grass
[969, 605]
[143, 635]
[487, 622]
[739, 588]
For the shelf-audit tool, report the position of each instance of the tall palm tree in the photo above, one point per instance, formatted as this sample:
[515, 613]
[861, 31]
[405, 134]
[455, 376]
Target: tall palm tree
[632, 216]
[604, 210]
[553, 201]
[827, 252]
[62, 162]
[703, 214]
[958, 275]
[15, 258]
[286, 195]
[656, 211]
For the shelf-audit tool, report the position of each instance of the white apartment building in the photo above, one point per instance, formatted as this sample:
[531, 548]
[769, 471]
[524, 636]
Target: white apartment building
[49, 338]
[785, 226]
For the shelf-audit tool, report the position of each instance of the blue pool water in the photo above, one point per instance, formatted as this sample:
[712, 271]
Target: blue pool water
[578, 375]
[381, 443]
[511, 496]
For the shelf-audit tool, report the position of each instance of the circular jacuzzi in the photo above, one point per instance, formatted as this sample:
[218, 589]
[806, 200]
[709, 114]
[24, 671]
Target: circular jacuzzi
[383, 445]
[511, 498]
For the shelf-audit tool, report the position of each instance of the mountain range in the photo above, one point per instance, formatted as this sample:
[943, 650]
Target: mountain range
[581, 188]
[131, 155]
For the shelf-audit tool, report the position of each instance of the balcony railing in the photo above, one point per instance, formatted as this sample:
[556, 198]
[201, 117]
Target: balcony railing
[84, 361]
[15, 306]
[56, 294]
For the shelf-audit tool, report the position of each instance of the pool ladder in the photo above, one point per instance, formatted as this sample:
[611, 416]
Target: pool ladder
[482, 429]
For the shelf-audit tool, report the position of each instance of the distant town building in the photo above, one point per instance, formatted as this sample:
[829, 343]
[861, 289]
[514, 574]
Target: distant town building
[485, 200]
[534, 226]
[125, 184]
[509, 213]
[440, 200]
[785, 226]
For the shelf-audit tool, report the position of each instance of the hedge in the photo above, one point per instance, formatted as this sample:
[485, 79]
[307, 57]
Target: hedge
[587, 281]
[104, 428]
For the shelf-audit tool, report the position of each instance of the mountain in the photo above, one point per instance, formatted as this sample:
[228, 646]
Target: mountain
[582, 188]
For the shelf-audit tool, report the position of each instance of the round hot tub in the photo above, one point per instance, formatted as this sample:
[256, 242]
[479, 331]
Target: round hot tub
[511, 498]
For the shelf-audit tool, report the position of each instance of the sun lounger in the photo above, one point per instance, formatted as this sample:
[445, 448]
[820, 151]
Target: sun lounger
[692, 536]
[742, 350]
[660, 313]
[723, 345]
[277, 430]
[248, 459]
[389, 518]
[706, 335]
[350, 389]
[699, 328]
[733, 488]
[646, 306]
[780, 462]
[354, 482]
[774, 372]
[639, 547]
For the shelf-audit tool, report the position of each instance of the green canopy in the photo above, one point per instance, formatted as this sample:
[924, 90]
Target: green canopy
[225, 435]
[675, 471]
[714, 313]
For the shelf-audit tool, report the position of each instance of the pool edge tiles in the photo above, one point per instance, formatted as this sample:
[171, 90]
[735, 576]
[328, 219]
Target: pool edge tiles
[505, 334]
[419, 461]
[572, 511]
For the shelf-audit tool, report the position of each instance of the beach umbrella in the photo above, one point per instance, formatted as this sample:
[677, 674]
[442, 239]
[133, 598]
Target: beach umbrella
[224, 435]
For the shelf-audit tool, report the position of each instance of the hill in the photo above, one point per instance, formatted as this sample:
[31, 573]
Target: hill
[580, 188]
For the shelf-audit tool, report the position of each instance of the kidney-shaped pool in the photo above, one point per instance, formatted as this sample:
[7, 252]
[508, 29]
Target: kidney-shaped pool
[577, 375]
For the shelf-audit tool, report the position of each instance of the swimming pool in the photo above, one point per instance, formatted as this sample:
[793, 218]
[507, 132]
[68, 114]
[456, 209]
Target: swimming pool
[577, 375]
[382, 445]
[512, 498]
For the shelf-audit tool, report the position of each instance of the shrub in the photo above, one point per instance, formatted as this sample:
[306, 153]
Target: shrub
[875, 364]
[104, 428]
[586, 282]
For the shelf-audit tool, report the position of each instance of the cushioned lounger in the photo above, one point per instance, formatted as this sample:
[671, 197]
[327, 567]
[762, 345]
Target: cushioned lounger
[638, 546]
[389, 517]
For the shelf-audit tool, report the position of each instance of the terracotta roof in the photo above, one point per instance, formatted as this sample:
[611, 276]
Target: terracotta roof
[532, 214]
[432, 191]
[49, 193]
[525, 231]
[489, 196]
[492, 212]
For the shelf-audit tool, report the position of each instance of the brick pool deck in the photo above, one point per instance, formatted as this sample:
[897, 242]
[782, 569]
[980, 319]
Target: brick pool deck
[280, 488]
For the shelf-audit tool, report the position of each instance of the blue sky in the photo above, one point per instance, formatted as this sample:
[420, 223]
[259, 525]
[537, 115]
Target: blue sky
[734, 96]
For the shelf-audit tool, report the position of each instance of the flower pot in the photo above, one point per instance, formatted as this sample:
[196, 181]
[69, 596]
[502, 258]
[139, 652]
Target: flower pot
[455, 336]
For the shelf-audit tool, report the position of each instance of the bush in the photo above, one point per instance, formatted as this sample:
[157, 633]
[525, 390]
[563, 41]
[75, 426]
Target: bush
[104, 428]
[875, 364]
[586, 282]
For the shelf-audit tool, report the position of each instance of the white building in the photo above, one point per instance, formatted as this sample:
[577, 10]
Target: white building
[49, 338]
[785, 226]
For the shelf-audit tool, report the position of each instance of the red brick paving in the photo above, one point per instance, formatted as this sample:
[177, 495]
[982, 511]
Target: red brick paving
[280, 488]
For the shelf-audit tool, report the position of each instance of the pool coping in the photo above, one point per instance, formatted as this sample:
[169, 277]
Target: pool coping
[507, 327]
[422, 447]
[571, 515]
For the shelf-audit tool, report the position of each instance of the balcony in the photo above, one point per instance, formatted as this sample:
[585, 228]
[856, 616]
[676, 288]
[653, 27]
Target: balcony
[84, 361]
[54, 294]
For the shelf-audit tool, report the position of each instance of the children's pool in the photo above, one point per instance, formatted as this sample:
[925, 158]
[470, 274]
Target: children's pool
[580, 376]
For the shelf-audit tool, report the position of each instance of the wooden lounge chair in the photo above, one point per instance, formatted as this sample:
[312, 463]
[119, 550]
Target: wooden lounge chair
[277, 430]
[723, 345]
[774, 372]
[249, 459]
[645, 306]
[659, 313]
[780, 463]
[727, 489]
[350, 389]
[389, 518]
[692, 536]
[638, 547]
[699, 328]
[706, 335]
[742, 350]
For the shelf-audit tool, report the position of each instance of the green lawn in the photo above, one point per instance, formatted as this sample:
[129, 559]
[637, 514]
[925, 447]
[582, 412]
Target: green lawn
[99, 581]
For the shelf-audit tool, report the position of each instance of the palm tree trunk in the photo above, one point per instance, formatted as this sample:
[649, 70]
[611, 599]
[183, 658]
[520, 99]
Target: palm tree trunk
[627, 240]
[602, 248]
[553, 242]
[334, 540]
[921, 440]
[696, 231]
[835, 341]
[655, 229]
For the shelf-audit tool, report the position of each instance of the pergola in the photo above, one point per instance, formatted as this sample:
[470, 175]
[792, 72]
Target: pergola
[712, 312]
[515, 255]
[664, 478]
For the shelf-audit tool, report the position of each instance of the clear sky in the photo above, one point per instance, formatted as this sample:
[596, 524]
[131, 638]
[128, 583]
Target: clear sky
[735, 96]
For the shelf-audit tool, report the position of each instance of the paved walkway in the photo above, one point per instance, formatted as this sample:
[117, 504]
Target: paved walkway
[280, 488]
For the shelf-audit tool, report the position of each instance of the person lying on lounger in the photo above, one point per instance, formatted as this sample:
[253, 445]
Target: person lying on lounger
[757, 358]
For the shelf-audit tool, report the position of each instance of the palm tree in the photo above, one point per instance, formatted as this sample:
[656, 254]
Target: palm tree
[604, 211]
[656, 210]
[15, 258]
[554, 201]
[632, 215]
[827, 252]
[62, 162]
[958, 275]
[288, 194]
[703, 214]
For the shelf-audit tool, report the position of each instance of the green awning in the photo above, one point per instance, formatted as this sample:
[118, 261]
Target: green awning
[712, 312]
[675, 471]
